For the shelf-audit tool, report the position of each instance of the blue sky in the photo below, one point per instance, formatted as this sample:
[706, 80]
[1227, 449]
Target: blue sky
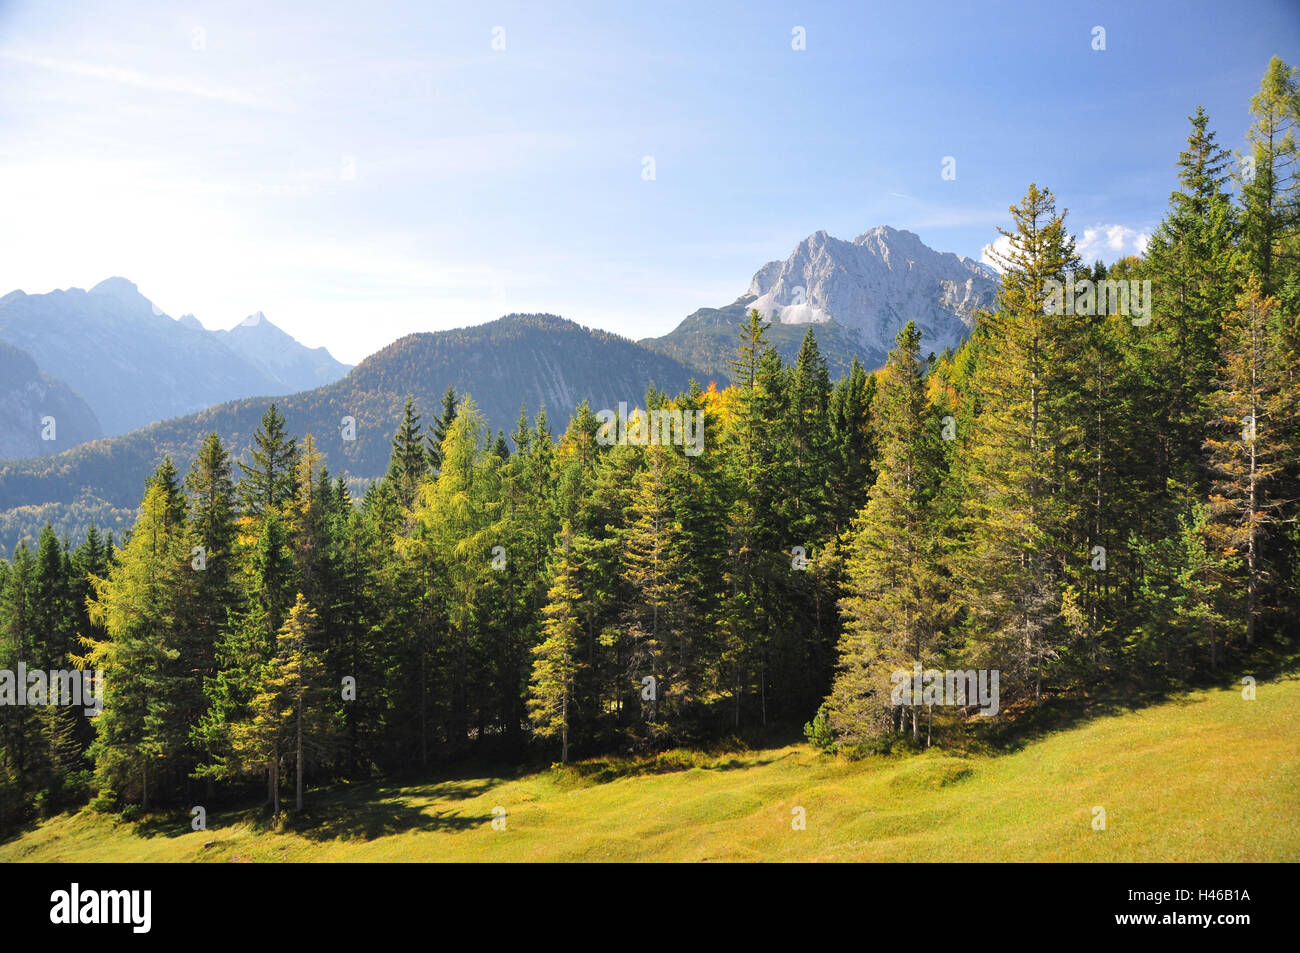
[362, 171]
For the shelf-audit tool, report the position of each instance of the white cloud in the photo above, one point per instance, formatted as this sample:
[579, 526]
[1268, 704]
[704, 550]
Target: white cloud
[1106, 242]
[1110, 243]
[998, 248]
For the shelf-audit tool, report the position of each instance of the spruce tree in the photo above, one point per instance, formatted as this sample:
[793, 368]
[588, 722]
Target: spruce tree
[852, 448]
[810, 391]
[455, 525]
[556, 660]
[652, 563]
[267, 483]
[138, 735]
[758, 547]
[22, 765]
[210, 587]
[307, 515]
[409, 463]
[288, 714]
[442, 426]
[51, 604]
[1271, 195]
[1185, 618]
[1249, 442]
[267, 584]
[1022, 463]
[893, 597]
[1191, 264]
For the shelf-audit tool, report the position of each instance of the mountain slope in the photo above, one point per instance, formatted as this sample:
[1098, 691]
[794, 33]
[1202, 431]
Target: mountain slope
[292, 365]
[38, 414]
[857, 295]
[534, 359]
[708, 338]
[130, 362]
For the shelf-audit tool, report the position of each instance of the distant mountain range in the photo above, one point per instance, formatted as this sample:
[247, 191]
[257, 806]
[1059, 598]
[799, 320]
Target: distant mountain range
[534, 359]
[133, 365]
[857, 294]
[38, 414]
[291, 365]
[107, 362]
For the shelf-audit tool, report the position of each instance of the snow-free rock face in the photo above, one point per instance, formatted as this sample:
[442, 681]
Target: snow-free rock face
[38, 414]
[134, 365]
[295, 366]
[873, 286]
[856, 295]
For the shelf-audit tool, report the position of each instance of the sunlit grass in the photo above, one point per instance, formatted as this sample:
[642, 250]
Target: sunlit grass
[1205, 777]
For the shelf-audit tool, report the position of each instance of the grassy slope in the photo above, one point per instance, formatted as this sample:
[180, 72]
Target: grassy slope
[1205, 777]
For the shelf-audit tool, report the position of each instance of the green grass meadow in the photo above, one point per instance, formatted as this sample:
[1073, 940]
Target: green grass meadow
[1206, 776]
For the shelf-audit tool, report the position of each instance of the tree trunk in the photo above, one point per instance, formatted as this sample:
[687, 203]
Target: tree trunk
[275, 780]
[1251, 583]
[299, 765]
[462, 689]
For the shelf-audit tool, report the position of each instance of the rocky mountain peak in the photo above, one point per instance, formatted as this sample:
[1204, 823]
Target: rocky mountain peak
[874, 285]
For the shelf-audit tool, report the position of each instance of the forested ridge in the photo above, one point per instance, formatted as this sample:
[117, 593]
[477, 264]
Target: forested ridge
[540, 358]
[706, 339]
[1078, 498]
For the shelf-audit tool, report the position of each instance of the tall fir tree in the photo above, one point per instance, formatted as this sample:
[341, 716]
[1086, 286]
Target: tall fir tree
[1021, 462]
[556, 660]
[138, 736]
[267, 481]
[1191, 263]
[1271, 190]
[1250, 438]
[442, 426]
[288, 714]
[893, 603]
[211, 593]
[409, 464]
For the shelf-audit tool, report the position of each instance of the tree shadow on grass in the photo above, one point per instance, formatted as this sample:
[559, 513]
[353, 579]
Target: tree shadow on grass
[1033, 723]
[735, 764]
[735, 751]
[17, 830]
[378, 819]
[373, 811]
[363, 813]
[171, 823]
[605, 770]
